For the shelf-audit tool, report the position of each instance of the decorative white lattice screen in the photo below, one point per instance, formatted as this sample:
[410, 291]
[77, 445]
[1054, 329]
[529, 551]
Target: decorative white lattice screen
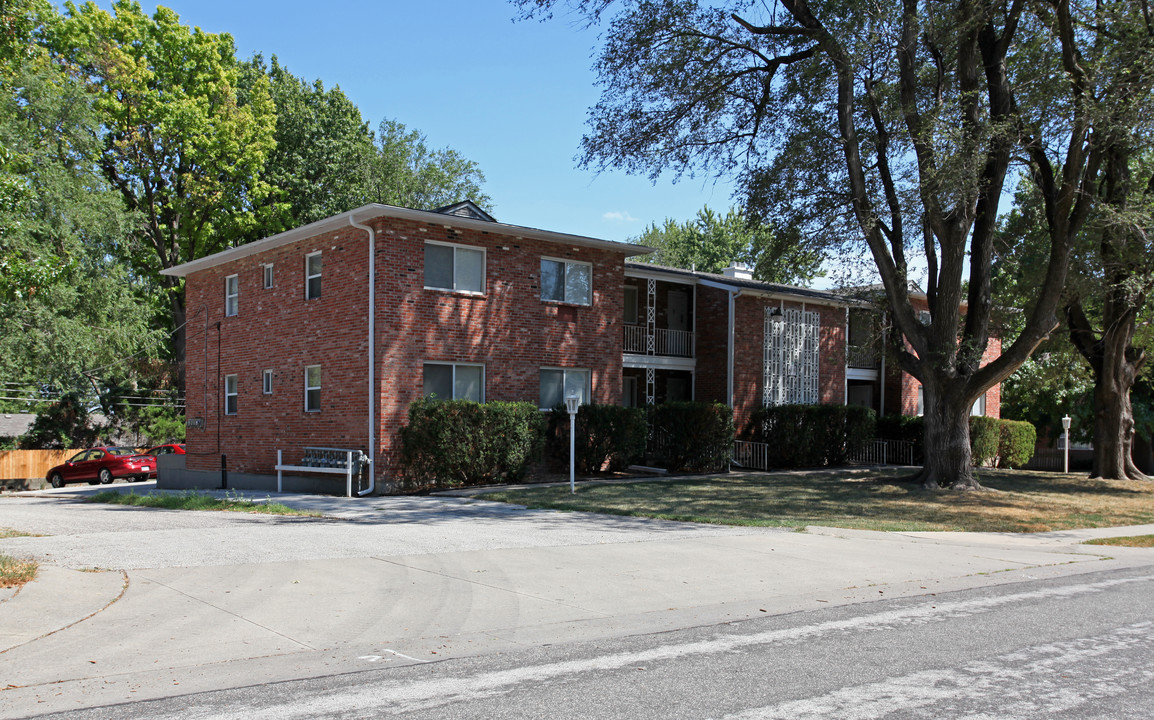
[791, 357]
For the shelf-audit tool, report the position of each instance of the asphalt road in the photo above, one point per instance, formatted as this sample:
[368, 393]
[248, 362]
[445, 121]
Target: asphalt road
[1072, 647]
[458, 608]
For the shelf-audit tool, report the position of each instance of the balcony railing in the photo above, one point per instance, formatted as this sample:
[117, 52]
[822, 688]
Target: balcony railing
[863, 356]
[669, 343]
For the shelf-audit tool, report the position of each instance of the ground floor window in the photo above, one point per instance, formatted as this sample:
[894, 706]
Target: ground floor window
[559, 383]
[455, 381]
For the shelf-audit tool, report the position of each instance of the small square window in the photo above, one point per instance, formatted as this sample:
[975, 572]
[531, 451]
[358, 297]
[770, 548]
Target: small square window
[230, 395]
[266, 382]
[567, 281]
[313, 276]
[313, 388]
[231, 295]
[267, 276]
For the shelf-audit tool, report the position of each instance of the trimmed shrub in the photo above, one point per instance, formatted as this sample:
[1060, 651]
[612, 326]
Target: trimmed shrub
[608, 437]
[691, 436]
[985, 436]
[450, 443]
[1016, 443]
[811, 435]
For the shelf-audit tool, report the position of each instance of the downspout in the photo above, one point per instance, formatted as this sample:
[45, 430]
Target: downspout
[732, 322]
[372, 356]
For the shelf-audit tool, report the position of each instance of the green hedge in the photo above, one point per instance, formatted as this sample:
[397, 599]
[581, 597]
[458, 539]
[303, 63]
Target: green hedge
[811, 435]
[1017, 442]
[1009, 443]
[985, 436]
[450, 443]
[691, 436]
[608, 437]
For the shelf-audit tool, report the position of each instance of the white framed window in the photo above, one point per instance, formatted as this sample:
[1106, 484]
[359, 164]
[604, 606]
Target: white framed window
[921, 401]
[454, 267]
[313, 388]
[230, 395]
[266, 271]
[266, 382]
[231, 295]
[567, 281]
[631, 304]
[979, 407]
[455, 381]
[312, 276]
[559, 383]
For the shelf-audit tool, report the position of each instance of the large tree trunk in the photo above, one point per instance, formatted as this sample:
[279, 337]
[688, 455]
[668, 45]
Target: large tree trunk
[948, 461]
[1116, 365]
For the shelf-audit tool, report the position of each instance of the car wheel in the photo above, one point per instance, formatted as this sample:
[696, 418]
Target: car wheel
[56, 480]
[105, 476]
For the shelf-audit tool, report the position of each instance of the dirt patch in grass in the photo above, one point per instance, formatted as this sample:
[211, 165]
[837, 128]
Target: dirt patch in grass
[10, 533]
[1016, 501]
[1142, 541]
[14, 572]
[197, 501]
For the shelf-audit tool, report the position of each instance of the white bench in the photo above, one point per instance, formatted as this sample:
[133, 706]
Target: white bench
[332, 461]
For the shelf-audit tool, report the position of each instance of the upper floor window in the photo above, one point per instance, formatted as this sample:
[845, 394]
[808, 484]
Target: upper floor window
[267, 272]
[266, 382]
[454, 267]
[559, 383]
[567, 281]
[230, 395]
[455, 381]
[312, 276]
[631, 304]
[231, 295]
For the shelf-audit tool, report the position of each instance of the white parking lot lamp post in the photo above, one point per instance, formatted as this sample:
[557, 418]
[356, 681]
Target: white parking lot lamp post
[571, 404]
[1066, 444]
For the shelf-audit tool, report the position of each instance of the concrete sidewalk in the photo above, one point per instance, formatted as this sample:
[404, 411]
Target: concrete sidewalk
[375, 587]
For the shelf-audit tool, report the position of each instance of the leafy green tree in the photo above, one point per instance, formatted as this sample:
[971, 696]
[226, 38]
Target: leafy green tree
[408, 173]
[327, 160]
[67, 303]
[889, 125]
[179, 146]
[323, 152]
[711, 242]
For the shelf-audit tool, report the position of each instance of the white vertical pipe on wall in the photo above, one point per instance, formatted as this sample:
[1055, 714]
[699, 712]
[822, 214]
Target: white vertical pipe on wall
[372, 355]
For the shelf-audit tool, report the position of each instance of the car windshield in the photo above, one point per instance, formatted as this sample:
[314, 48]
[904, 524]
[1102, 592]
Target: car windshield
[121, 451]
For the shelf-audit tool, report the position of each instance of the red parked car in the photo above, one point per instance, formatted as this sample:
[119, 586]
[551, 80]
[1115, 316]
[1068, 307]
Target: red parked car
[103, 465]
[167, 449]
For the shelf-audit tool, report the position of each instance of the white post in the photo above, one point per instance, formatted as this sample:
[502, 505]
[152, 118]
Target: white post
[278, 472]
[1066, 444]
[571, 405]
[349, 473]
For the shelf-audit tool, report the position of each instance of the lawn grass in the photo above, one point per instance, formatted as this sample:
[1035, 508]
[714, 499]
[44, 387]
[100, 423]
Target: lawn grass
[1017, 501]
[1143, 541]
[197, 501]
[15, 572]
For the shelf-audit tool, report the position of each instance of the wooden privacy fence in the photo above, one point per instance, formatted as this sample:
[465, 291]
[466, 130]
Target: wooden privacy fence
[28, 464]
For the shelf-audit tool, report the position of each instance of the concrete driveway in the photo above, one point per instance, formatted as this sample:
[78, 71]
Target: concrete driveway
[138, 603]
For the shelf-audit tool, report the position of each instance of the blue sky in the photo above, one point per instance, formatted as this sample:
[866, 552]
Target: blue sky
[512, 96]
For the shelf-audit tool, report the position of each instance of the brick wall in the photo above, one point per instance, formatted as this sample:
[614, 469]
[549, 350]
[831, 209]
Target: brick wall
[509, 329]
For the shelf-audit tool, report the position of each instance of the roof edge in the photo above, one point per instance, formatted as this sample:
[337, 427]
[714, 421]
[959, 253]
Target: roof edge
[373, 211]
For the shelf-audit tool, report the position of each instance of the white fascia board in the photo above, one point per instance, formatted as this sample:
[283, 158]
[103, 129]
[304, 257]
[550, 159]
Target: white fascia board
[375, 210]
[661, 362]
[634, 272]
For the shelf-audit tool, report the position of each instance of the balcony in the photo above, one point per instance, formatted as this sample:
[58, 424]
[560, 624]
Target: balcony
[863, 356]
[666, 343]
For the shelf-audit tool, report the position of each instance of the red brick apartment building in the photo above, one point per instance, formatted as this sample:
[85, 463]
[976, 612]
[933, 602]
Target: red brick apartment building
[300, 340]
